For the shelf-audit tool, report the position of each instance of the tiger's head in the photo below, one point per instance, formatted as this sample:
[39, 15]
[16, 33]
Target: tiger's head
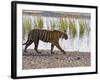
[65, 36]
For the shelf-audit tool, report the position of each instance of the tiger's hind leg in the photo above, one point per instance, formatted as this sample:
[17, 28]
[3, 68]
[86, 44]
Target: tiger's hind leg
[52, 46]
[36, 46]
[27, 44]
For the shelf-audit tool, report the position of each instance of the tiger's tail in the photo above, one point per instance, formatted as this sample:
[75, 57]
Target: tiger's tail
[24, 43]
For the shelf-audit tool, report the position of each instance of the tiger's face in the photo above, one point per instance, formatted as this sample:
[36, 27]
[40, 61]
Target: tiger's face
[65, 36]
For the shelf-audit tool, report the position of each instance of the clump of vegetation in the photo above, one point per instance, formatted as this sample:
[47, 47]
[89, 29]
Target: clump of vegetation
[27, 26]
[38, 23]
[52, 25]
[72, 28]
[87, 28]
[84, 28]
[63, 25]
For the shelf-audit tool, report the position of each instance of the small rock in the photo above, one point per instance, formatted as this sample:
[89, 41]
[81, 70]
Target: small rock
[56, 57]
[78, 58]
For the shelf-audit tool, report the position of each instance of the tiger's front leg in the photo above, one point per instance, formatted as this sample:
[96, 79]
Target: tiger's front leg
[52, 46]
[58, 46]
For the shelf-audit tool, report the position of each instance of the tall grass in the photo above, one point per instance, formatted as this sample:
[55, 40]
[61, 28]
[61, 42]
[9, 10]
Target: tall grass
[87, 28]
[52, 25]
[63, 25]
[38, 23]
[84, 28]
[72, 28]
[27, 26]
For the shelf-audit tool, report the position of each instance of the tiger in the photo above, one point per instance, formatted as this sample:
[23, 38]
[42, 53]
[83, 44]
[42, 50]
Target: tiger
[51, 36]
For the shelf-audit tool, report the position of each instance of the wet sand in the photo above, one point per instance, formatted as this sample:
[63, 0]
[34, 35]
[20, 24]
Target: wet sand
[33, 60]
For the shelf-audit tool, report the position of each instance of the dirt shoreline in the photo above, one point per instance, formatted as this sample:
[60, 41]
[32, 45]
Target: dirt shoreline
[33, 60]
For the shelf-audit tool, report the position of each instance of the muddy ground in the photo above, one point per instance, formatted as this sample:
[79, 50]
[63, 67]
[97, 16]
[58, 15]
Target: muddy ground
[33, 60]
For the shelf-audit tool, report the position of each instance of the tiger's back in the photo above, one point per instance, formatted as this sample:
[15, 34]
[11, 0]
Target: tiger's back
[45, 35]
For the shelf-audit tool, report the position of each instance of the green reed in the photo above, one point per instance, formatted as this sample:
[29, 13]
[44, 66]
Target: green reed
[87, 28]
[72, 28]
[63, 24]
[38, 23]
[84, 28]
[52, 25]
[27, 26]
